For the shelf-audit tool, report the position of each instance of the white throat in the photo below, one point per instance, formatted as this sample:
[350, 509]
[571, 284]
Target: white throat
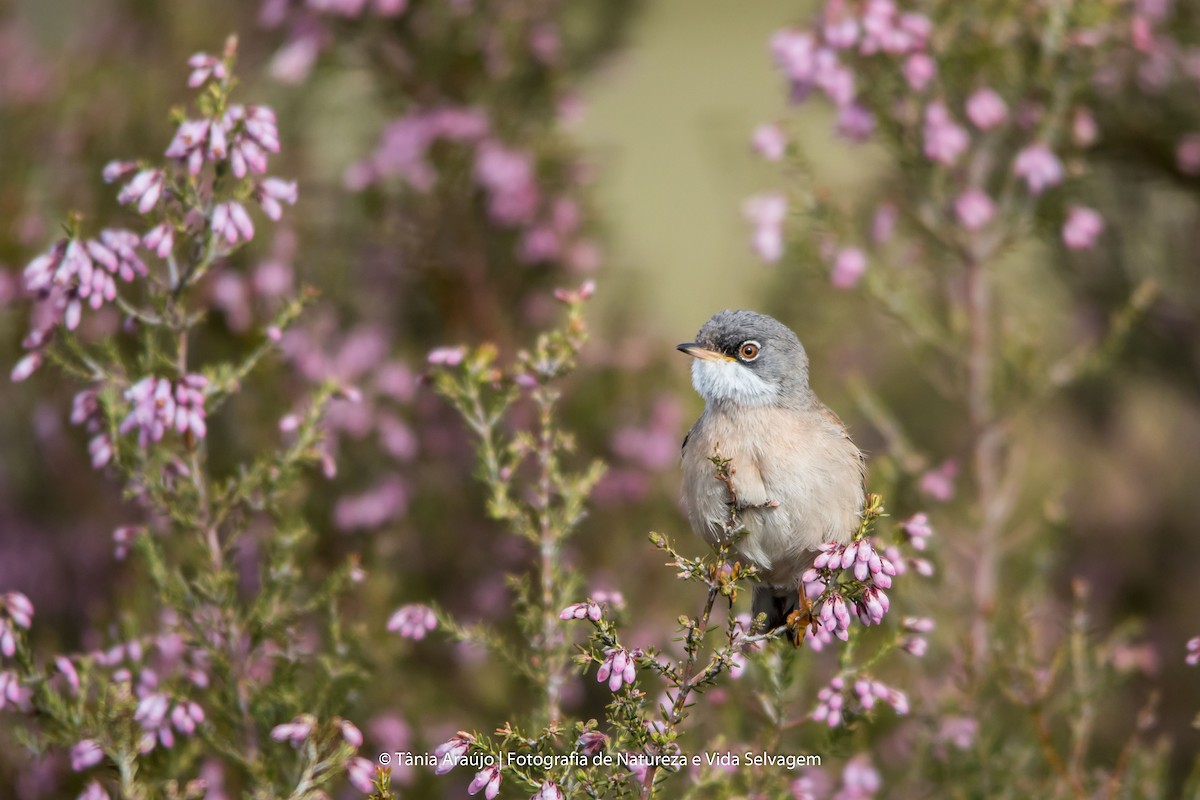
[722, 382]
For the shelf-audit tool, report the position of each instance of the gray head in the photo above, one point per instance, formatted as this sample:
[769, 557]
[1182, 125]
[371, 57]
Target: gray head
[748, 359]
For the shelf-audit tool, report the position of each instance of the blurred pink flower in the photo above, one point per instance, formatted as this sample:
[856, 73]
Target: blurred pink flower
[93, 791]
[770, 142]
[383, 503]
[938, 482]
[974, 209]
[361, 774]
[160, 239]
[945, 141]
[231, 222]
[855, 123]
[849, 265]
[959, 731]
[1040, 168]
[883, 225]
[507, 175]
[86, 753]
[204, 67]
[919, 70]
[412, 621]
[860, 779]
[917, 529]
[1187, 154]
[1193, 652]
[766, 213]
[1082, 227]
[446, 356]
[159, 405]
[1084, 130]
[271, 192]
[986, 109]
[145, 189]
[296, 731]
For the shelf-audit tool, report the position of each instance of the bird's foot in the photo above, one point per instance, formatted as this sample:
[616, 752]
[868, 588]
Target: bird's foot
[800, 620]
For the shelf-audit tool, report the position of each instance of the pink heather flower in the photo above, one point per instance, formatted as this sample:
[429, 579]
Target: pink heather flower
[618, 668]
[507, 176]
[1187, 154]
[8, 639]
[841, 33]
[117, 170]
[1084, 130]
[67, 668]
[795, 54]
[986, 109]
[187, 716]
[412, 621]
[145, 188]
[580, 610]
[914, 645]
[273, 191]
[974, 209]
[613, 599]
[592, 743]
[849, 266]
[766, 213]
[350, 733]
[1040, 168]
[18, 608]
[883, 225]
[548, 791]
[488, 780]
[451, 752]
[860, 779]
[204, 67]
[1193, 652]
[938, 482]
[12, 693]
[231, 222]
[1082, 228]
[151, 715]
[830, 702]
[945, 141]
[160, 239]
[959, 731]
[190, 144]
[446, 356]
[158, 406]
[770, 142]
[917, 529]
[86, 753]
[26, 366]
[296, 731]
[855, 123]
[361, 774]
[93, 791]
[919, 70]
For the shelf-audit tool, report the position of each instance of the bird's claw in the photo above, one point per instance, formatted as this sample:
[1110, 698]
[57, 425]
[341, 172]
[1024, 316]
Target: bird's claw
[800, 620]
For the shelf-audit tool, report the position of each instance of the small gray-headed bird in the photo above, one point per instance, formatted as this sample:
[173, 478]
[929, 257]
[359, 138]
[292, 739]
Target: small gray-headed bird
[797, 475]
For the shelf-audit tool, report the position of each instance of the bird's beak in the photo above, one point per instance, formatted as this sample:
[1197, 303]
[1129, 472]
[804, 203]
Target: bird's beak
[699, 351]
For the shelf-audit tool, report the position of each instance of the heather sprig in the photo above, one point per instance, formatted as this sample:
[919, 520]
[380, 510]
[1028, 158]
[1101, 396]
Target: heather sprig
[212, 674]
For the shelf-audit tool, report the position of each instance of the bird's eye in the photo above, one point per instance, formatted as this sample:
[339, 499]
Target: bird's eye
[748, 351]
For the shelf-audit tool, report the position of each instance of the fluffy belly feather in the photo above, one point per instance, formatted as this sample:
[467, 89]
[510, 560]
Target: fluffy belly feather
[801, 460]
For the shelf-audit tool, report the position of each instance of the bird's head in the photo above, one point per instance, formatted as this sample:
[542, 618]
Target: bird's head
[743, 358]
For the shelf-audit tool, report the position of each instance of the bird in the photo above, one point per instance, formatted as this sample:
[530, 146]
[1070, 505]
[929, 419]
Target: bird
[798, 478]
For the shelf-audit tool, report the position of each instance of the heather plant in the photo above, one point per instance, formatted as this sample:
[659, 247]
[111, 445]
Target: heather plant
[989, 116]
[235, 673]
[636, 749]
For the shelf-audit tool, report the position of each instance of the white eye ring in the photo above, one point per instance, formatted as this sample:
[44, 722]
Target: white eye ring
[754, 348]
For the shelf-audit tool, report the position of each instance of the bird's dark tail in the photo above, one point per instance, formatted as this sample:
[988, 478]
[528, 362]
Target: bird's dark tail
[775, 605]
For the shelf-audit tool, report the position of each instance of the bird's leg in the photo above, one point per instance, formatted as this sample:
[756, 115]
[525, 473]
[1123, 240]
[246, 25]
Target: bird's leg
[799, 621]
